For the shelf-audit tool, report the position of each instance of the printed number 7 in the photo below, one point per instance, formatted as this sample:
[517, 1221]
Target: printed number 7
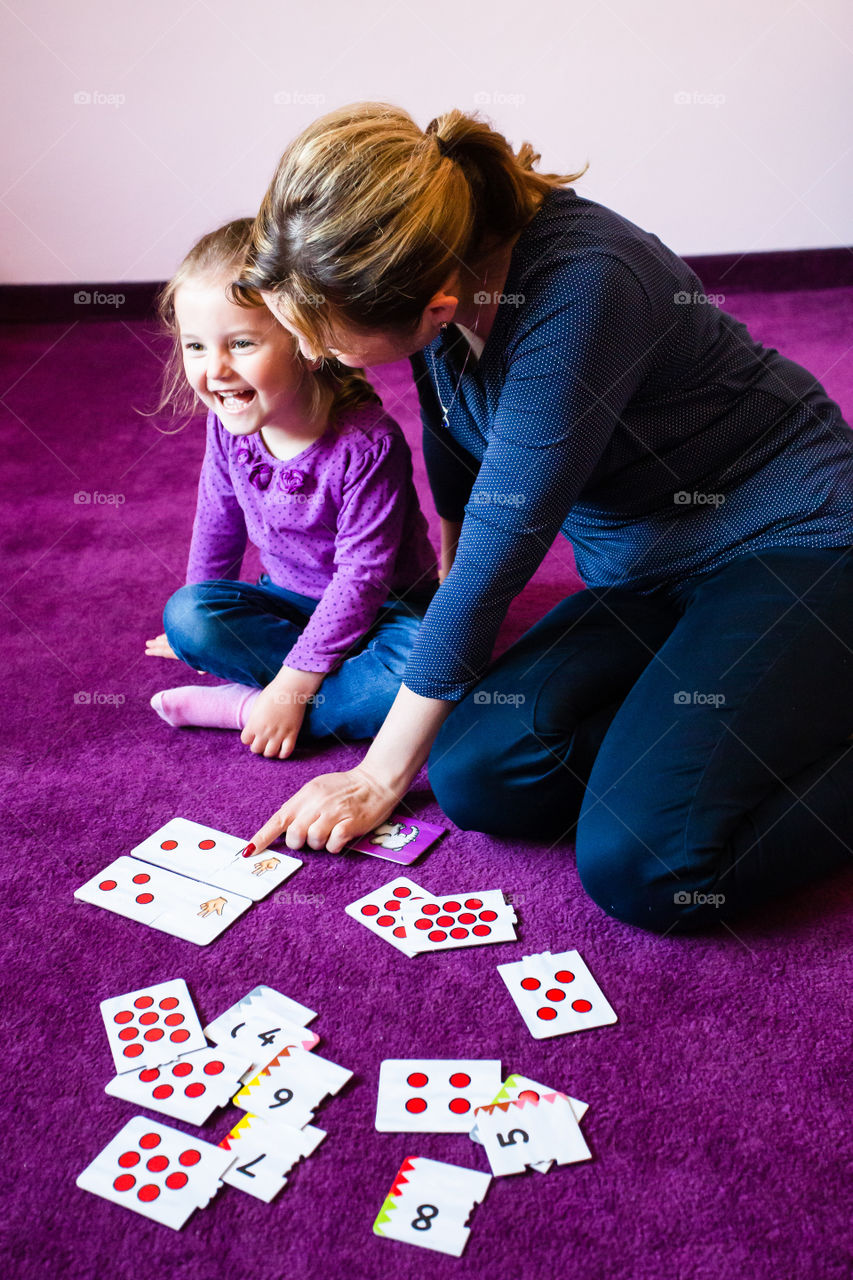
[244, 1168]
[509, 1140]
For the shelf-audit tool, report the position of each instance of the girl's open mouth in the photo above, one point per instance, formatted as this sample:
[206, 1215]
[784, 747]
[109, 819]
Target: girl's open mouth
[235, 401]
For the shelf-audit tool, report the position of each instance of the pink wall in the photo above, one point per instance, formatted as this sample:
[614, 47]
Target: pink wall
[722, 125]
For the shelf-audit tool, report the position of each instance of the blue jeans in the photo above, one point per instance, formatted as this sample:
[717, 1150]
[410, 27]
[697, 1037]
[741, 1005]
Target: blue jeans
[694, 744]
[243, 631]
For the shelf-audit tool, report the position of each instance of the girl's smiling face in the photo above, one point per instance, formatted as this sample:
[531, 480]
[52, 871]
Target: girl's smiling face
[239, 361]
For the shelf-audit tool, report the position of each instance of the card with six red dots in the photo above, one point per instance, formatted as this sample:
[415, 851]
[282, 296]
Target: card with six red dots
[557, 994]
[190, 1088]
[202, 853]
[434, 1095]
[151, 1026]
[156, 1171]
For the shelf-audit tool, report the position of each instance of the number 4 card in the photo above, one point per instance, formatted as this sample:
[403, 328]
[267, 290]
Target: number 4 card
[430, 1204]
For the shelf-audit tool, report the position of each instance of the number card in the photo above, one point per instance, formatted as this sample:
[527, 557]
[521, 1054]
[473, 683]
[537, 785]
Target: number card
[261, 1003]
[556, 995]
[515, 1087]
[214, 857]
[516, 1134]
[291, 1087]
[263, 1153]
[430, 1203]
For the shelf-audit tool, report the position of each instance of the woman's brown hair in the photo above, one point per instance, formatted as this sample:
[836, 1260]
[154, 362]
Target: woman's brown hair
[368, 216]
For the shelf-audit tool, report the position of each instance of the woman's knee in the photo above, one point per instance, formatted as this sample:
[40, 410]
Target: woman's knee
[466, 768]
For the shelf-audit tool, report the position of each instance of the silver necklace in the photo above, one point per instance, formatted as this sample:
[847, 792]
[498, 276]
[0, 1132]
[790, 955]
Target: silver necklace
[446, 410]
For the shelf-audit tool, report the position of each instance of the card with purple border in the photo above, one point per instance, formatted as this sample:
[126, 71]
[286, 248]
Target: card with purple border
[400, 839]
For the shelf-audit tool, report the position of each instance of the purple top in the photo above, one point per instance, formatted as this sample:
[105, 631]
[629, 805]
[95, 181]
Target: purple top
[339, 522]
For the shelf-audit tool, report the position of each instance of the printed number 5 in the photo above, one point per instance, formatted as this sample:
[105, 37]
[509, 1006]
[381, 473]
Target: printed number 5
[426, 1212]
[509, 1140]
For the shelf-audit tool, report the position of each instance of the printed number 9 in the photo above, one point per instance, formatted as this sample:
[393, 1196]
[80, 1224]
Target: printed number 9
[426, 1212]
[509, 1140]
[280, 1101]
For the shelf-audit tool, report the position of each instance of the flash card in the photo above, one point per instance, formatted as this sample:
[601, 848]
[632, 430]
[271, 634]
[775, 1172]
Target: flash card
[263, 1153]
[515, 1087]
[156, 1171]
[434, 1095]
[163, 900]
[262, 1040]
[380, 910]
[291, 1087]
[205, 854]
[261, 1003]
[430, 1204]
[400, 839]
[459, 920]
[190, 1088]
[516, 1134]
[556, 994]
[152, 1025]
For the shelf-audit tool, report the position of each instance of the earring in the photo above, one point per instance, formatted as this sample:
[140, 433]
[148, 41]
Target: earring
[442, 328]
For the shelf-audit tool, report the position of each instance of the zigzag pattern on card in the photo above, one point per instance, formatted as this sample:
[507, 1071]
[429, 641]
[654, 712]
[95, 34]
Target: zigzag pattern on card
[389, 1203]
[521, 1103]
[276, 1062]
[235, 1134]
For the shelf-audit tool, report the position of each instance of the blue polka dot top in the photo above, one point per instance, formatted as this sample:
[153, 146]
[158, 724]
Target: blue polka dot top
[615, 404]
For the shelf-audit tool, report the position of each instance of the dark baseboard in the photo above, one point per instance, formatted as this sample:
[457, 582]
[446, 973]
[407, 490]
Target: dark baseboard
[781, 269]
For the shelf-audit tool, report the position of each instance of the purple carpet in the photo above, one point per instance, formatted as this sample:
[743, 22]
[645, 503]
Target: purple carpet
[718, 1120]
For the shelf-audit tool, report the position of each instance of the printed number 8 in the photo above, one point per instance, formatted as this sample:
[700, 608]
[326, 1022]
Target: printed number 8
[423, 1221]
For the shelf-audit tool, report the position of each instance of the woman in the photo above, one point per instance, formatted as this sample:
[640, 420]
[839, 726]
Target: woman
[686, 716]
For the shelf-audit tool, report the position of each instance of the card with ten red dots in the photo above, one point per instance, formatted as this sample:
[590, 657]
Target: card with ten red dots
[458, 920]
[381, 911]
[556, 994]
[434, 1095]
[190, 1088]
[154, 1025]
[156, 1171]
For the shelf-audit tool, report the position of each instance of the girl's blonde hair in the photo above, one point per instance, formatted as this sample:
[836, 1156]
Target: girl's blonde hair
[223, 252]
[368, 216]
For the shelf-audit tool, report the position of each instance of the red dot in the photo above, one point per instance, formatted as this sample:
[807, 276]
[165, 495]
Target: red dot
[401, 892]
[132, 1051]
[528, 1095]
[163, 1091]
[195, 1090]
[473, 904]
[128, 1159]
[173, 1019]
[142, 878]
[124, 1016]
[176, 1180]
[467, 918]
[459, 933]
[459, 1106]
[128, 1033]
[106, 885]
[555, 994]
[214, 1068]
[444, 921]
[400, 931]
[530, 984]
[564, 975]
[124, 1182]
[189, 1157]
[156, 1033]
[143, 1002]
[144, 898]
[384, 921]
[452, 906]
[149, 1140]
[145, 1019]
[369, 910]
[488, 915]
[437, 936]
[416, 1106]
[169, 1002]
[393, 905]
[417, 1080]
[459, 1080]
[581, 1006]
[547, 1015]
[148, 1192]
[423, 923]
[182, 1069]
[207, 844]
[430, 909]
[481, 930]
[169, 844]
[157, 1164]
[149, 1074]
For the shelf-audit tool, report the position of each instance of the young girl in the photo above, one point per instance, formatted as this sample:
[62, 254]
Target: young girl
[302, 460]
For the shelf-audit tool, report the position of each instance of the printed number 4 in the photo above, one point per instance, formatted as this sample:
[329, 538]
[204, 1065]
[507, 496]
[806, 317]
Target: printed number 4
[426, 1212]
[509, 1140]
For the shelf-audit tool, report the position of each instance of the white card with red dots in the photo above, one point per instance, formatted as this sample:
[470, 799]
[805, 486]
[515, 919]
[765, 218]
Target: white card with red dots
[515, 1087]
[264, 1153]
[163, 900]
[190, 1088]
[381, 911]
[530, 1131]
[434, 1095]
[400, 839]
[429, 1205]
[291, 1087]
[156, 1171]
[152, 1025]
[557, 994]
[213, 857]
[458, 920]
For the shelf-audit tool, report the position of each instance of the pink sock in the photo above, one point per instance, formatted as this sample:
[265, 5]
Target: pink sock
[225, 706]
